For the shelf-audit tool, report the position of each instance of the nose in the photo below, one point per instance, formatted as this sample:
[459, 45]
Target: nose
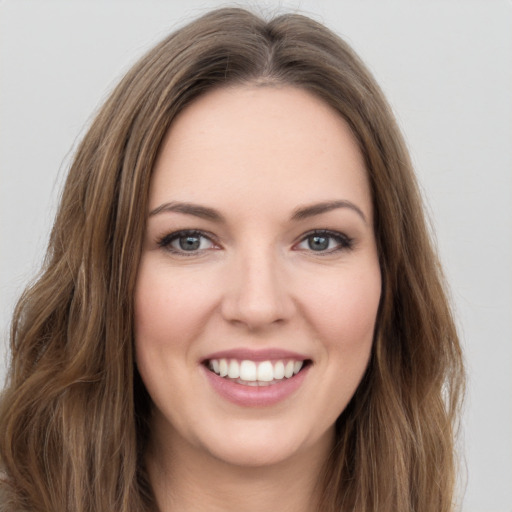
[257, 292]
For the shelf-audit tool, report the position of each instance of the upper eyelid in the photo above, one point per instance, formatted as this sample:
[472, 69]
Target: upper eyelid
[326, 232]
[345, 242]
[171, 236]
[165, 240]
[183, 232]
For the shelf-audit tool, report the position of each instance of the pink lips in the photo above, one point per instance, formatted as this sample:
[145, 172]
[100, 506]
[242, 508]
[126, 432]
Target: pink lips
[256, 355]
[255, 396]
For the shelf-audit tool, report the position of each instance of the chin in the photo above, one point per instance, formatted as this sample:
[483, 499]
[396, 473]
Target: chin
[264, 445]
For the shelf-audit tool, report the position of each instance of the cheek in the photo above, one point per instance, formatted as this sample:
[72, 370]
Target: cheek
[344, 309]
[169, 306]
[171, 310]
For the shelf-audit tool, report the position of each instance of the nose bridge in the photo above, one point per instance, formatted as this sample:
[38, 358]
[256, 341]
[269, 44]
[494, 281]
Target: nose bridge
[257, 293]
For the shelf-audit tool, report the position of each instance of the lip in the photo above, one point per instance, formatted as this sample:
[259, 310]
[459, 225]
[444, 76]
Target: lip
[255, 396]
[240, 354]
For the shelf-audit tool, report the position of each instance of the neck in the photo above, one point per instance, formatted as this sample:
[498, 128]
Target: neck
[185, 479]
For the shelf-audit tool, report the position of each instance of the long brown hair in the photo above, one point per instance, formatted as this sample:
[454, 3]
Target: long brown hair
[73, 415]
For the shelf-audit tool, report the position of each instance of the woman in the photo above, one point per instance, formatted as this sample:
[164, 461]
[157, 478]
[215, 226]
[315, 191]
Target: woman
[240, 305]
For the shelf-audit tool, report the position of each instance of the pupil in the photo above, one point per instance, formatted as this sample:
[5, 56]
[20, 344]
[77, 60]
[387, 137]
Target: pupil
[318, 243]
[189, 243]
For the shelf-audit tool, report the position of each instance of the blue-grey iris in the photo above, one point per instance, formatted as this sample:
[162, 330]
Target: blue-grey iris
[318, 243]
[189, 243]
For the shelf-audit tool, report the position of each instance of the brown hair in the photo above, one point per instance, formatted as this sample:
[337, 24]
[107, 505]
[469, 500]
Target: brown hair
[72, 417]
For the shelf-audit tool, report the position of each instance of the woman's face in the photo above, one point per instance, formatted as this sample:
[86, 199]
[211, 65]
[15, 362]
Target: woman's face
[259, 259]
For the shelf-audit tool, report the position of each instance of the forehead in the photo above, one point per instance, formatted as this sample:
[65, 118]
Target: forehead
[281, 142]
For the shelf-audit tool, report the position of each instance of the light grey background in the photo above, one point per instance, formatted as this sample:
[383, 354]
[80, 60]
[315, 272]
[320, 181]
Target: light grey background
[446, 67]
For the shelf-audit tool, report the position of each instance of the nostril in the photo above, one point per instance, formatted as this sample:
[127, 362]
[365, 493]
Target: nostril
[256, 300]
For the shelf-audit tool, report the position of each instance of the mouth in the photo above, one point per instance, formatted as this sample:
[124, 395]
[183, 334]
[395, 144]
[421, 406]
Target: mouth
[248, 372]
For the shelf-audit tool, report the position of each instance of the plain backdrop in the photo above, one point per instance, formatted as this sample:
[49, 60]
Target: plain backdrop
[446, 67]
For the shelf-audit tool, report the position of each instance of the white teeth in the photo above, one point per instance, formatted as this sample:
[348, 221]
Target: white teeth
[223, 368]
[234, 369]
[265, 371]
[248, 371]
[279, 370]
[288, 371]
[252, 372]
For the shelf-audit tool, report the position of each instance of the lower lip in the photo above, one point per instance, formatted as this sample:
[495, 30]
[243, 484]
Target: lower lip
[255, 396]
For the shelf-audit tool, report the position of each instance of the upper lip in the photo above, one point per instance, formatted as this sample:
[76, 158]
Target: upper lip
[255, 355]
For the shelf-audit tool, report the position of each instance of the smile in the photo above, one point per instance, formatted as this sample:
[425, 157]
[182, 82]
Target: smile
[256, 378]
[255, 373]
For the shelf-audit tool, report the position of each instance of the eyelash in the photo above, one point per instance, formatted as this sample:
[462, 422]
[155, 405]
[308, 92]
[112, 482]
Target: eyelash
[344, 243]
[166, 241]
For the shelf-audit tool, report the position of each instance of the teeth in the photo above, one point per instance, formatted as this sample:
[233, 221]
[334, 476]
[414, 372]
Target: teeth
[288, 370]
[215, 366]
[234, 369]
[265, 371]
[248, 371]
[223, 368]
[252, 372]
[279, 370]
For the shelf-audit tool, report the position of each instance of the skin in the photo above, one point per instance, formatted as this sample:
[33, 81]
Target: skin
[255, 154]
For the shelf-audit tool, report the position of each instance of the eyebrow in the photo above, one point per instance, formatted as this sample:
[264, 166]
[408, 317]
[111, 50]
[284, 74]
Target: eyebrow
[300, 213]
[196, 210]
[319, 208]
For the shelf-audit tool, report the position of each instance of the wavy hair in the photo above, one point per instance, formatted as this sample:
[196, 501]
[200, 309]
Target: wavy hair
[73, 415]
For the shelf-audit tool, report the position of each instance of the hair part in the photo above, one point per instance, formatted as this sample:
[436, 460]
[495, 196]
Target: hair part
[73, 418]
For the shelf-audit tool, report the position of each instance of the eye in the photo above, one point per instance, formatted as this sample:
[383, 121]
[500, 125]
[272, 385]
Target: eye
[324, 241]
[187, 241]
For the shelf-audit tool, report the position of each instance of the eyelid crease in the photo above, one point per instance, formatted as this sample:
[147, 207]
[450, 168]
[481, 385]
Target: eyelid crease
[343, 241]
[165, 241]
[346, 242]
